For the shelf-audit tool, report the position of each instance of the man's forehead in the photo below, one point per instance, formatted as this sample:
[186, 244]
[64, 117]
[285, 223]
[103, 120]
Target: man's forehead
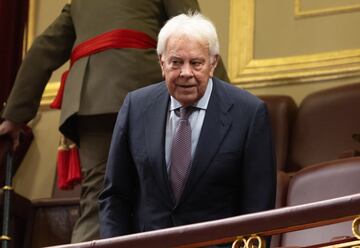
[185, 40]
[181, 57]
[180, 48]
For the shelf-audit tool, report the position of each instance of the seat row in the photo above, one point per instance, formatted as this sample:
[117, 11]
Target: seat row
[317, 182]
[320, 128]
[316, 154]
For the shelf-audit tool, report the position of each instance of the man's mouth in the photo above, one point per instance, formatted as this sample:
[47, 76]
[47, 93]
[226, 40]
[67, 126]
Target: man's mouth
[185, 85]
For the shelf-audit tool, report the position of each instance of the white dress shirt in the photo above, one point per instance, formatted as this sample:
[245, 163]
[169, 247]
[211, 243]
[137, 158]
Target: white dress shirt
[196, 120]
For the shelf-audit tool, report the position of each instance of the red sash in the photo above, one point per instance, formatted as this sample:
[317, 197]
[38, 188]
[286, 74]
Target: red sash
[68, 161]
[119, 38]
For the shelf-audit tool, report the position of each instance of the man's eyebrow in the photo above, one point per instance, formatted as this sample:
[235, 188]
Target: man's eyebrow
[201, 59]
[174, 57]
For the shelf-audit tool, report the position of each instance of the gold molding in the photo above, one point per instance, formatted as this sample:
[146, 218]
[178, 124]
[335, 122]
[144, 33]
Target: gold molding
[31, 24]
[351, 244]
[248, 72]
[29, 31]
[49, 93]
[299, 13]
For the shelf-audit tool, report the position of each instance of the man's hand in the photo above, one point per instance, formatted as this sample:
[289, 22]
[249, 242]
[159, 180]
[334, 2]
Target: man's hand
[13, 130]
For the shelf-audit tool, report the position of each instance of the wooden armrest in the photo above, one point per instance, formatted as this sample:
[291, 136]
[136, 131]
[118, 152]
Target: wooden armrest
[50, 202]
[349, 153]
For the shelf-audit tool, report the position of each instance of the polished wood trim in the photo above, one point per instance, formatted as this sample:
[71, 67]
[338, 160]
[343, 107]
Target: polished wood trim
[227, 230]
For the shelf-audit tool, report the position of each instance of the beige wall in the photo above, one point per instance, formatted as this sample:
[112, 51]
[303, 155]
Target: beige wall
[218, 12]
[295, 51]
[276, 34]
[46, 12]
[35, 177]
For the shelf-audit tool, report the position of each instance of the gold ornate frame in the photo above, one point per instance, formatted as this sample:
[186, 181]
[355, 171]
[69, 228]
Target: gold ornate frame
[248, 72]
[300, 13]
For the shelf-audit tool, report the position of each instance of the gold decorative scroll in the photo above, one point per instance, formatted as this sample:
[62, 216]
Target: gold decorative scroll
[254, 241]
[249, 72]
[300, 13]
[356, 227]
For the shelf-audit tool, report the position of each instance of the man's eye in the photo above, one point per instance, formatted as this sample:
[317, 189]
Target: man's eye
[196, 64]
[175, 63]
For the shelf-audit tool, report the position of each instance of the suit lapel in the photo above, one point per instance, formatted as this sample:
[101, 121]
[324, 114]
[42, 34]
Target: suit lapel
[155, 126]
[216, 124]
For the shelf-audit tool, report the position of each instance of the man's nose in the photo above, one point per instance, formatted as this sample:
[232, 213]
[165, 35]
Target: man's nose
[186, 70]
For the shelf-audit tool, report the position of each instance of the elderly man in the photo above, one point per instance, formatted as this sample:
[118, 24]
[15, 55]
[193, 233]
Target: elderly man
[107, 41]
[190, 149]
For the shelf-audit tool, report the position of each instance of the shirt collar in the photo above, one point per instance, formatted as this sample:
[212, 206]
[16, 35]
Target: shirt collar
[201, 104]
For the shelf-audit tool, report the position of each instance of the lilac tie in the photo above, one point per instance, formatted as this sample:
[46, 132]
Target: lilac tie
[181, 152]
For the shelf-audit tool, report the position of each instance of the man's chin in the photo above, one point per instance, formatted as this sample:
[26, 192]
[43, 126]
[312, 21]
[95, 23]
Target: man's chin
[187, 100]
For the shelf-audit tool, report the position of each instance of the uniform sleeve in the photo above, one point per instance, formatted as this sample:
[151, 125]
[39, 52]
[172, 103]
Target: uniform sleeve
[175, 7]
[48, 52]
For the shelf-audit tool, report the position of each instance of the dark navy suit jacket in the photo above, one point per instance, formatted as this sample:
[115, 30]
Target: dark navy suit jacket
[232, 173]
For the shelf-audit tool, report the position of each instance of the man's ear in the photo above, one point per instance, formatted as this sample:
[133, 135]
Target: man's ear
[213, 63]
[161, 62]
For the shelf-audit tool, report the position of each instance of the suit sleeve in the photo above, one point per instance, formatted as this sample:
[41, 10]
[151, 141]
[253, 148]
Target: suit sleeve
[116, 199]
[48, 52]
[259, 171]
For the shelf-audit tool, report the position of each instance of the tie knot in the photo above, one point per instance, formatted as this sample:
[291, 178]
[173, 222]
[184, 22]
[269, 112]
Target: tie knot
[185, 112]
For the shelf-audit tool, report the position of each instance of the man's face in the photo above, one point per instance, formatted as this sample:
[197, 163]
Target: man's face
[187, 68]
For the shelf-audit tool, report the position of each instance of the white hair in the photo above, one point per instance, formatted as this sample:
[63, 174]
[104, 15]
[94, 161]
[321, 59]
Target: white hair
[193, 25]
